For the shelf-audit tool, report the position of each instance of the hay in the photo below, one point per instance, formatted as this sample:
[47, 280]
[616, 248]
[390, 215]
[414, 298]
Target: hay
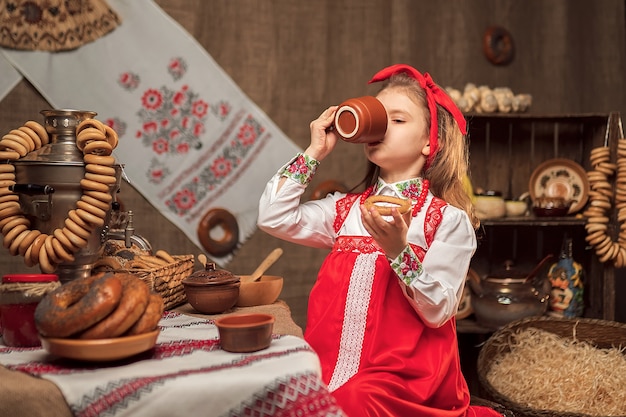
[547, 372]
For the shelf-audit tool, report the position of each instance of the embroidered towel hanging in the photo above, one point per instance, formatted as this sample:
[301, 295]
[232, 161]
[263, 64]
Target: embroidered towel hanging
[9, 77]
[190, 139]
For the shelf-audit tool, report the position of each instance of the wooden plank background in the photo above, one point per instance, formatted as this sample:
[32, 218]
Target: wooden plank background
[294, 58]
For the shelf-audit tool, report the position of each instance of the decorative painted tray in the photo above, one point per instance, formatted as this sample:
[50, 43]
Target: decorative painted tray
[560, 177]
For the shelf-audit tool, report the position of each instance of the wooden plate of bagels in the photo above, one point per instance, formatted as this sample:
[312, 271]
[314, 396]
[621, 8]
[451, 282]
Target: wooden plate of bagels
[100, 350]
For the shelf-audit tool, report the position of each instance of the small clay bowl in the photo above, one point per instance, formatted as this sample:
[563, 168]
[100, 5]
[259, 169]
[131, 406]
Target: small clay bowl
[245, 332]
[361, 120]
[515, 208]
[212, 291]
[262, 292]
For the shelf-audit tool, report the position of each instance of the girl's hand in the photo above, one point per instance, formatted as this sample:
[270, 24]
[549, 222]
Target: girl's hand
[323, 139]
[390, 235]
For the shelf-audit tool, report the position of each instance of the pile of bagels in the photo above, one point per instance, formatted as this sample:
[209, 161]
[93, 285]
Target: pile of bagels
[116, 257]
[102, 306]
[96, 141]
[600, 206]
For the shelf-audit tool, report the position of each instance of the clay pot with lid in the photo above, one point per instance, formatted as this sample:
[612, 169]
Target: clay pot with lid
[212, 290]
[361, 120]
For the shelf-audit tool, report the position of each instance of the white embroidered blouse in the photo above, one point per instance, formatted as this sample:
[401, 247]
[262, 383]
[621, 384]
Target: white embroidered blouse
[436, 283]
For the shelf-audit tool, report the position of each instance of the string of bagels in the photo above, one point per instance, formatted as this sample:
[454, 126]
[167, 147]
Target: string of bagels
[603, 198]
[96, 141]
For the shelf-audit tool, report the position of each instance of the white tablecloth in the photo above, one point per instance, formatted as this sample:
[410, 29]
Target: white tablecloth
[187, 374]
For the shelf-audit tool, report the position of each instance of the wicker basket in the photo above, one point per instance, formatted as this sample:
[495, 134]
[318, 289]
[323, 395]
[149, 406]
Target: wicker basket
[601, 333]
[167, 280]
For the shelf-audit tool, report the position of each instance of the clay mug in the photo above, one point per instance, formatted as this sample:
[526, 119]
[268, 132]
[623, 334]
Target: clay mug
[361, 120]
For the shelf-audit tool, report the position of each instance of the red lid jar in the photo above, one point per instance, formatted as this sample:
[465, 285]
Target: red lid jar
[19, 296]
[361, 120]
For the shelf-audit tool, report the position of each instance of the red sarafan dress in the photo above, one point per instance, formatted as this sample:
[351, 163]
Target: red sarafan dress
[377, 355]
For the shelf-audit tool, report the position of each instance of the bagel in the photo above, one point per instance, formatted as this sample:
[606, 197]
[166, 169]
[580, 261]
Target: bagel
[52, 255]
[99, 204]
[46, 265]
[76, 240]
[90, 217]
[91, 209]
[401, 204]
[105, 160]
[39, 130]
[219, 217]
[94, 185]
[27, 241]
[77, 305]
[100, 196]
[31, 256]
[33, 136]
[61, 251]
[17, 241]
[91, 123]
[98, 147]
[77, 229]
[6, 167]
[132, 305]
[101, 169]
[11, 155]
[104, 179]
[498, 45]
[111, 136]
[11, 224]
[150, 318]
[108, 263]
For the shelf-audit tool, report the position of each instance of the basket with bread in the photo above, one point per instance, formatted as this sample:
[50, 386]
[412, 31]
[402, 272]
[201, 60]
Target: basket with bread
[162, 272]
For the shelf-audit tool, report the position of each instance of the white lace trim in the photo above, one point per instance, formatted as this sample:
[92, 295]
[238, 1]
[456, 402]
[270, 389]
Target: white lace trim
[354, 319]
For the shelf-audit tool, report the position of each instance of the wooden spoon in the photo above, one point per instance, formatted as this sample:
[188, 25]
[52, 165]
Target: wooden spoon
[267, 262]
[203, 259]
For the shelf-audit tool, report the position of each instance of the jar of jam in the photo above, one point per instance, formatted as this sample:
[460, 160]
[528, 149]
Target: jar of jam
[19, 296]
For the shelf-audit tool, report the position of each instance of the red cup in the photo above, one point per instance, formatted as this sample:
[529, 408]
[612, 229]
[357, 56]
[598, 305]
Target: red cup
[17, 310]
[361, 120]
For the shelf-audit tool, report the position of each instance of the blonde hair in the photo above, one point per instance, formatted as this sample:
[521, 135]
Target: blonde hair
[450, 165]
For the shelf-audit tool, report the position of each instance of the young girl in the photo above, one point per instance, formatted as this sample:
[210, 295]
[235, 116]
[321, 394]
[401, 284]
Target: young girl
[381, 313]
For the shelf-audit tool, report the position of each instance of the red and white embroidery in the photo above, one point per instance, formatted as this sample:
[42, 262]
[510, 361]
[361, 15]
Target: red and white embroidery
[353, 328]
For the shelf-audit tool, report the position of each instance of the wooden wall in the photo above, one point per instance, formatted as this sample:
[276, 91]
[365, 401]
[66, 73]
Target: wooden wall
[294, 58]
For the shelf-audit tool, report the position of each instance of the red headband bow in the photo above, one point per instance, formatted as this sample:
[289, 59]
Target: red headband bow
[434, 96]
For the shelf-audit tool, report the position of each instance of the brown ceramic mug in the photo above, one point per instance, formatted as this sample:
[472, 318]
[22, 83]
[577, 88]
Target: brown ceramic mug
[361, 120]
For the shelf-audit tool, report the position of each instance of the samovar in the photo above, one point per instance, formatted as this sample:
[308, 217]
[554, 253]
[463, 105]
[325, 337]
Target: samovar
[48, 182]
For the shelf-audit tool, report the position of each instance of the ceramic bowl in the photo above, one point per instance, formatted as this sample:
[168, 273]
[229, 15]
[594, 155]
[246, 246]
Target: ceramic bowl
[515, 208]
[245, 332]
[262, 292]
[489, 205]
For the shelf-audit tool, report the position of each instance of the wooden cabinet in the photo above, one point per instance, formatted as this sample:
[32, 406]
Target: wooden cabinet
[504, 152]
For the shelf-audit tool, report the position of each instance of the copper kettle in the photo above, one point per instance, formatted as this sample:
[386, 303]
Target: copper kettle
[510, 295]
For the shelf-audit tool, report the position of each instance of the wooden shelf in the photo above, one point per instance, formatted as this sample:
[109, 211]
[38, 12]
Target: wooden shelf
[536, 221]
[505, 149]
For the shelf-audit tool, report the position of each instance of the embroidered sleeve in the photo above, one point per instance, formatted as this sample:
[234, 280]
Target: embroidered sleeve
[407, 266]
[302, 169]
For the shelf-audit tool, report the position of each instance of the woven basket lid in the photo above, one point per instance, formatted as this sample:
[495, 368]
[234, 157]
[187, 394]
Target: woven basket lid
[54, 25]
